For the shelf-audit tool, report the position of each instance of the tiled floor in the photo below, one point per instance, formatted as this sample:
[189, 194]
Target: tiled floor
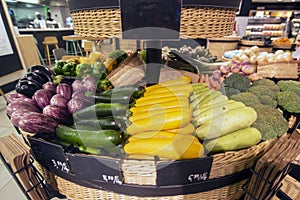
[8, 187]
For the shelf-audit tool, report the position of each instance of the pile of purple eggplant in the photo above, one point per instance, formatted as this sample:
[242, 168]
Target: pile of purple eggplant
[39, 105]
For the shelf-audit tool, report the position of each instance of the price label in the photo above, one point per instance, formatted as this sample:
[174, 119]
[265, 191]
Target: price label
[49, 155]
[183, 172]
[96, 168]
[59, 165]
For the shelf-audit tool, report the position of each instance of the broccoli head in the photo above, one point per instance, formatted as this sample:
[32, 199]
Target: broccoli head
[287, 85]
[289, 101]
[270, 122]
[231, 91]
[237, 81]
[248, 98]
[265, 82]
[265, 90]
[290, 85]
[267, 100]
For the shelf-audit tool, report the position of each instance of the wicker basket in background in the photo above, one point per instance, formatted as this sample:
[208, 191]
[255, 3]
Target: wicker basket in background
[218, 46]
[196, 22]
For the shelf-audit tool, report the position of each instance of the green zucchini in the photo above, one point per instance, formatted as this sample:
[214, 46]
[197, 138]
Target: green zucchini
[109, 98]
[133, 90]
[88, 137]
[102, 123]
[227, 122]
[101, 110]
[240, 139]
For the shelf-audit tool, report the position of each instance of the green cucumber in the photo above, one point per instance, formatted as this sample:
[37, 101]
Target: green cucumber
[87, 137]
[101, 110]
[103, 123]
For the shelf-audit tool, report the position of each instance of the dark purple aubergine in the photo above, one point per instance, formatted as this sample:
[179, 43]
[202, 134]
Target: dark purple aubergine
[20, 105]
[78, 86]
[38, 123]
[65, 90]
[75, 105]
[62, 115]
[50, 86]
[36, 76]
[59, 100]
[41, 69]
[42, 98]
[27, 87]
[16, 117]
[68, 80]
[14, 96]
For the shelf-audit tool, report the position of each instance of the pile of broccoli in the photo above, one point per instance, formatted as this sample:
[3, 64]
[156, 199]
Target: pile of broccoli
[270, 122]
[266, 90]
[235, 84]
[262, 96]
[289, 97]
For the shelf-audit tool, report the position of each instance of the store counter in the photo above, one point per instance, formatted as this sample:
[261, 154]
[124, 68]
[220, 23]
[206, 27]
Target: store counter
[39, 35]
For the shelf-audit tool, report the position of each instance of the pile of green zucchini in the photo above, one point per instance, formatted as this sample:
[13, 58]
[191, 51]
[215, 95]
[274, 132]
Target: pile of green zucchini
[100, 127]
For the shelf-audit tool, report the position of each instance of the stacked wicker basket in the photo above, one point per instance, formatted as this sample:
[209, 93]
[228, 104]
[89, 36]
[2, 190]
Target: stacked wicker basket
[197, 21]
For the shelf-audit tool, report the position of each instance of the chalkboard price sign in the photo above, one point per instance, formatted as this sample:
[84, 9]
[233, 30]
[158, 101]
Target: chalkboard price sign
[96, 168]
[183, 172]
[151, 19]
[49, 155]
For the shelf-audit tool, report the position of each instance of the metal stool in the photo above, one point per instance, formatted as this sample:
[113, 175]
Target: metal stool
[49, 40]
[73, 40]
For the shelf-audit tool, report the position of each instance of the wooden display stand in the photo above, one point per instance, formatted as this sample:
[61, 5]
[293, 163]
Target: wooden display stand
[28, 50]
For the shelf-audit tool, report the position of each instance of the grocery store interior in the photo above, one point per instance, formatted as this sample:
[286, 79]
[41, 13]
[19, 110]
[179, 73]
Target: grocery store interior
[45, 32]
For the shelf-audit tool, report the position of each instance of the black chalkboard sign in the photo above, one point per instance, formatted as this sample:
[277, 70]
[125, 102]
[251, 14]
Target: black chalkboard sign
[12, 62]
[49, 155]
[96, 168]
[151, 19]
[183, 172]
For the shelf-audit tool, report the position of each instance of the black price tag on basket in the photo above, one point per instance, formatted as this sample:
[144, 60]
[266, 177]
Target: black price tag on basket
[151, 19]
[183, 172]
[49, 155]
[96, 168]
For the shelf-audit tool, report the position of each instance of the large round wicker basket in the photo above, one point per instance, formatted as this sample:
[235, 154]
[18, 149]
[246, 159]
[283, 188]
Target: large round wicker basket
[142, 173]
[198, 20]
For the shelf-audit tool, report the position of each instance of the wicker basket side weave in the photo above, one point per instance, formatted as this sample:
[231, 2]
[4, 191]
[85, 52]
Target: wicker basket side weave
[206, 22]
[196, 22]
[74, 191]
[234, 161]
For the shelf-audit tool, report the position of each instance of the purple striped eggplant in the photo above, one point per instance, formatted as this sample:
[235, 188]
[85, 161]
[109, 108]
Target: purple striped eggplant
[38, 123]
[42, 98]
[62, 115]
[50, 86]
[58, 100]
[20, 105]
[65, 90]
